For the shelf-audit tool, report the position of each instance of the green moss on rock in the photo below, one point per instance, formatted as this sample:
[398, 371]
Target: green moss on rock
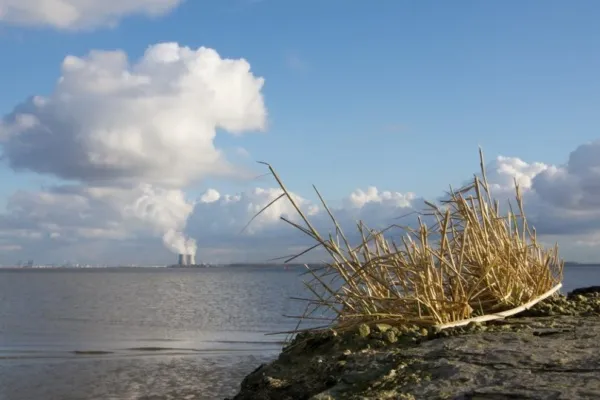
[364, 330]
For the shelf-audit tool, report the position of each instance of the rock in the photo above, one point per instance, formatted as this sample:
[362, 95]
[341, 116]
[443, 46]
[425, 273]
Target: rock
[273, 382]
[390, 336]
[591, 290]
[529, 356]
[375, 335]
[382, 327]
[322, 396]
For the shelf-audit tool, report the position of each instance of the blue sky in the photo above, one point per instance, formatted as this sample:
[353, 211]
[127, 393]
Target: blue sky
[391, 94]
[397, 95]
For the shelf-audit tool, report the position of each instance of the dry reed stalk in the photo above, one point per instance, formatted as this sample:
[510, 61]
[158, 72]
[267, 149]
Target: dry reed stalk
[471, 260]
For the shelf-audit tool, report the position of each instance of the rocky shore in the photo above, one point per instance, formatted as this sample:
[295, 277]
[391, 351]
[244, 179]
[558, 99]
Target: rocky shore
[548, 352]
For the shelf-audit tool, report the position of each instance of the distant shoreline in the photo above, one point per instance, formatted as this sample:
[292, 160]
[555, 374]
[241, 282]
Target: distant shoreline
[209, 266]
[575, 264]
[156, 267]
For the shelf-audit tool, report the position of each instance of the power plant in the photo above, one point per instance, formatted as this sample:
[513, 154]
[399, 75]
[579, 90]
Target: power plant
[186, 260]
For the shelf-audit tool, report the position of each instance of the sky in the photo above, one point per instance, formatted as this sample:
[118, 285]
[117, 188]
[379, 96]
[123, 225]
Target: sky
[130, 129]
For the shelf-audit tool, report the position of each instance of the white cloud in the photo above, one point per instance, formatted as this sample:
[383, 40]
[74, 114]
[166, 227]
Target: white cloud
[153, 121]
[78, 14]
[576, 185]
[360, 198]
[123, 223]
[92, 221]
[503, 172]
[77, 221]
[242, 152]
[567, 197]
[131, 137]
[147, 127]
[166, 211]
[73, 217]
[561, 202]
[210, 196]
[227, 215]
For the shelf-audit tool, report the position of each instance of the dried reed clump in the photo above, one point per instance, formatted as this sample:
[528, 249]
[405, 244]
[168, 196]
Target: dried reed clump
[471, 264]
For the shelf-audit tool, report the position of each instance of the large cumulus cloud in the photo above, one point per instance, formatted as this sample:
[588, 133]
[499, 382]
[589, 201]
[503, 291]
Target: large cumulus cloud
[143, 128]
[567, 197]
[152, 121]
[76, 14]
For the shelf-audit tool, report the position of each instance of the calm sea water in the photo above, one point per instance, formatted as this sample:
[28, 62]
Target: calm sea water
[148, 333]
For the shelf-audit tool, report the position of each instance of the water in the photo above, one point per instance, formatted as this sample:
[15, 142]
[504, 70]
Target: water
[167, 333]
[148, 333]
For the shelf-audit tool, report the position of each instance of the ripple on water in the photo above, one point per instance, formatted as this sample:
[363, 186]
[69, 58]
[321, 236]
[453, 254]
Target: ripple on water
[161, 377]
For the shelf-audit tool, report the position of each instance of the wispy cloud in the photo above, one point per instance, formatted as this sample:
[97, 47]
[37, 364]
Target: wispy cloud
[74, 15]
[295, 62]
[242, 152]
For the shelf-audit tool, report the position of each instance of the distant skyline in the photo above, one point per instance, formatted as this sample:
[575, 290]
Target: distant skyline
[130, 130]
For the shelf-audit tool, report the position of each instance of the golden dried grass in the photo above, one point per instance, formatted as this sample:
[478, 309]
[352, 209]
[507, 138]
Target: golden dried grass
[472, 264]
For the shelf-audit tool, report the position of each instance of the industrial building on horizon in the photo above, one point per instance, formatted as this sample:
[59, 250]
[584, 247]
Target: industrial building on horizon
[186, 259]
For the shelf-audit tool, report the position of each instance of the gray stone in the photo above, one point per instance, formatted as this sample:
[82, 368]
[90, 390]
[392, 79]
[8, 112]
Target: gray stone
[531, 356]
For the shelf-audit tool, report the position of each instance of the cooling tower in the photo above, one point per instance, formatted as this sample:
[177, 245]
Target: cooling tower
[186, 259]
